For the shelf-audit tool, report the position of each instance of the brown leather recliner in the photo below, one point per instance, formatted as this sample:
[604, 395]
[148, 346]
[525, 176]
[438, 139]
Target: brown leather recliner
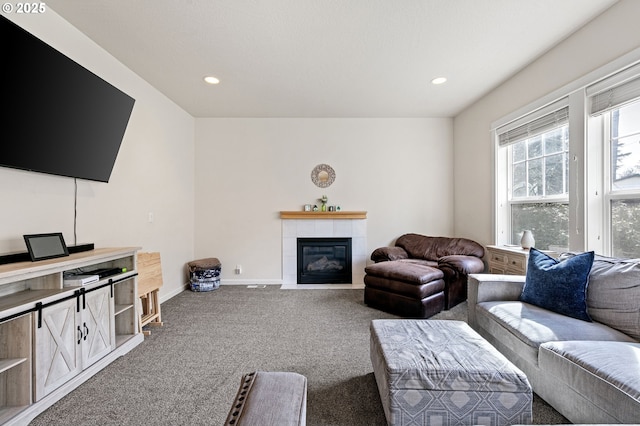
[421, 275]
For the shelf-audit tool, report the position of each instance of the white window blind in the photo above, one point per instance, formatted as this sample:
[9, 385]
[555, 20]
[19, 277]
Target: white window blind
[614, 91]
[536, 123]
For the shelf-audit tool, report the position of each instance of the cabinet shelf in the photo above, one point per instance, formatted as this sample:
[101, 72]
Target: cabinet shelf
[121, 308]
[115, 278]
[8, 363]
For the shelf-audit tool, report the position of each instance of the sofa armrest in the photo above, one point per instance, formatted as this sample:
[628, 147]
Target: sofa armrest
[278, 396]
[491, 287]
[384, 254]
[462, 264]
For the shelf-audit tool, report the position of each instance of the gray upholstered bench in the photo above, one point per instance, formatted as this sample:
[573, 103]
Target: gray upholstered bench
[270, 398]
[443, 372]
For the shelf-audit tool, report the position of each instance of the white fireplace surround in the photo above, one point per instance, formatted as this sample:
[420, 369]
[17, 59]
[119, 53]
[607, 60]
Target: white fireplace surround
[292, 229]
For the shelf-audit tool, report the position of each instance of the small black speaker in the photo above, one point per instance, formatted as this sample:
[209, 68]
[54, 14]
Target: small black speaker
[79, 248]
[14, 258]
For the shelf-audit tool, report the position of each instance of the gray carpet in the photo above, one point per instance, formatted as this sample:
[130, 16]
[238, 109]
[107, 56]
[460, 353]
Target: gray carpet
[187, 372]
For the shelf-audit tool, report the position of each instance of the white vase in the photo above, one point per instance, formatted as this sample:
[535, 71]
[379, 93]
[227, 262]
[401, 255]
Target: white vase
[527, 241]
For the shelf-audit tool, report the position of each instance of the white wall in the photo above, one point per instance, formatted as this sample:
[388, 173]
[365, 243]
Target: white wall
[609, 36]
[248, 170]
[153, 172]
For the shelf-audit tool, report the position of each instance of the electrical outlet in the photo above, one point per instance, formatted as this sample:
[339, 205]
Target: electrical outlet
[238, 269]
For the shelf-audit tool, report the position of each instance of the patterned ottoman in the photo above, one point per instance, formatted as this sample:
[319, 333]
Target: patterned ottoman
[443, 372]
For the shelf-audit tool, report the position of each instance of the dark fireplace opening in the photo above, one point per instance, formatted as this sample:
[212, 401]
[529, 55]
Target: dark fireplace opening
[324, 260]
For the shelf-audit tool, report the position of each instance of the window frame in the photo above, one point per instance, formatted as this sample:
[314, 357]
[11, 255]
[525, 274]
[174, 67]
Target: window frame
[504, 160]
[589, 199]
[610, 194]
[529, 199]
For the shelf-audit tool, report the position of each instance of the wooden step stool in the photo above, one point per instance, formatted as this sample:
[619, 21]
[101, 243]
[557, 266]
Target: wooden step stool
[149, 283]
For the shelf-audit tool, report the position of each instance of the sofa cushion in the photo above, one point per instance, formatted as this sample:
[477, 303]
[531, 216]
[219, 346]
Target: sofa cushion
[559, 286]
[532, 326]
[613, 295]
[423, 262]
[607, 373]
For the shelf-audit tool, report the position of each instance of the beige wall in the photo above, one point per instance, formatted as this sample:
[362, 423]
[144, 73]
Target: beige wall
[248, 170]
[609, 36]
[153, 172]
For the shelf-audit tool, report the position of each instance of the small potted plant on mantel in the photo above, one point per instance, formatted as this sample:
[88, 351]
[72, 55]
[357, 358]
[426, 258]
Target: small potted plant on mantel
[323, 200]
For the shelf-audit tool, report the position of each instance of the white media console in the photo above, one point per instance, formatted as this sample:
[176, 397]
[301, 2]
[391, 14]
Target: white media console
[53, 338]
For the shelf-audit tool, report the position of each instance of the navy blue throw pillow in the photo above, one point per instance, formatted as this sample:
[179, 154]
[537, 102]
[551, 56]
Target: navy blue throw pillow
[559, 286]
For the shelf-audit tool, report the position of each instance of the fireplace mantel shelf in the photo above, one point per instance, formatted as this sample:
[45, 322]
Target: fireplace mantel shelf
[323, 215]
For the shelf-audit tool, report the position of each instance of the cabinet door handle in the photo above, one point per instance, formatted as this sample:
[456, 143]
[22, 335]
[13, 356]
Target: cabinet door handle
[79, 335]
[86, 331]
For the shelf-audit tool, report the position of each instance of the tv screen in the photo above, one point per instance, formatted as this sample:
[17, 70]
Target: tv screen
[58, 117]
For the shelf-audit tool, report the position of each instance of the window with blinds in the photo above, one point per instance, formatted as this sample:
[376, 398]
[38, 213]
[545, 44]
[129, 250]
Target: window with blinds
[537, 148]
[589, 200]
[615, 102]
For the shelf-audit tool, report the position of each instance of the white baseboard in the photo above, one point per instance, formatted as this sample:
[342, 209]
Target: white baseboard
[175, 292]
[234, 281]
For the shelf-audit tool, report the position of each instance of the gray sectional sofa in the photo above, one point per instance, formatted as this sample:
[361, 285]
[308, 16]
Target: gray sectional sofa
[588, 371]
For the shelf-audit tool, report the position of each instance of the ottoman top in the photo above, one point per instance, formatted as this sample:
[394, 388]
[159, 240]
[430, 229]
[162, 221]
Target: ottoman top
[405, 271]
[443, 355]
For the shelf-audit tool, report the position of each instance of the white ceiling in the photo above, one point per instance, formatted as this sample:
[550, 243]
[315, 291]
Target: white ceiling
[326, 58]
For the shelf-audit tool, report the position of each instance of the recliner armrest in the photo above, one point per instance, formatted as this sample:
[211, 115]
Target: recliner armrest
[491, 287]
[384, 254]
[462, 264]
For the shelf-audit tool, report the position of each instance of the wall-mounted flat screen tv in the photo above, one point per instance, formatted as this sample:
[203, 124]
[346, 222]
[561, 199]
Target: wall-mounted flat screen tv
[57, 117]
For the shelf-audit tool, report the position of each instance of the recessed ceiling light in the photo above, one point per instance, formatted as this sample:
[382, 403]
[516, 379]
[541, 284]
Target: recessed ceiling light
[211, 79]
[439, 80]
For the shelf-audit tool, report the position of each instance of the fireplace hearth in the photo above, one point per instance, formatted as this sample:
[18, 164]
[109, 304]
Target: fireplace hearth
[324, 260]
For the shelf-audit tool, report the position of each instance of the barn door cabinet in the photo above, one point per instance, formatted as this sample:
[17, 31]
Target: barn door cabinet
[52, 337]
[70, 337]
